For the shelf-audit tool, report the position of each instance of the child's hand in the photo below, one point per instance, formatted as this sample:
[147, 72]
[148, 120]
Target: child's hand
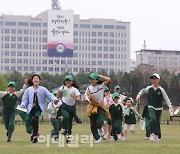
[137, 98]
[171, 111]
[73, 96]
[141, 118]
[26, 80]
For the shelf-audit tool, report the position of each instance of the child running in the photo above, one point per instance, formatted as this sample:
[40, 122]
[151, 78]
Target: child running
[156, 96]
[116, 115]
[129, 117]
[122, 97]
[56, 122]
[9, 99]
[70, 95]
[108, 101]
[96, 108]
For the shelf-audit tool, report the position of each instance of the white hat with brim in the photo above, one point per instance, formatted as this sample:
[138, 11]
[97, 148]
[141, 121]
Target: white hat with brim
[155, 76]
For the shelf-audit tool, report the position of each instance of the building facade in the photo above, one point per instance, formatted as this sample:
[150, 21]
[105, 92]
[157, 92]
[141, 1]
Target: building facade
[160, 59]
[99, 44]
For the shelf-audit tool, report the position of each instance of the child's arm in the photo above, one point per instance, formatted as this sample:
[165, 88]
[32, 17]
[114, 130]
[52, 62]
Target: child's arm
[139, 116]
[2, 93]
[105, 78]
[143, 91]
[19, 93]
[25, 98]
[167, 100]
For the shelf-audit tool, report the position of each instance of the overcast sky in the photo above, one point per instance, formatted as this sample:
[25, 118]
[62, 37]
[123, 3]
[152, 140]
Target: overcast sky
[156, 21]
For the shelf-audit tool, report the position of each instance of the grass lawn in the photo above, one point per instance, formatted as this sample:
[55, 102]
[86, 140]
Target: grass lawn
[170, 143]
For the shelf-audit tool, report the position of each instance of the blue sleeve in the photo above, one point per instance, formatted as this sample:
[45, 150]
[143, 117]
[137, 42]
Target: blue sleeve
[49, 95]
[25, 98]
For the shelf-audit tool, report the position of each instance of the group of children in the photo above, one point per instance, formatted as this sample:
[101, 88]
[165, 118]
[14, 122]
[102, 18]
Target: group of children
[106, 111]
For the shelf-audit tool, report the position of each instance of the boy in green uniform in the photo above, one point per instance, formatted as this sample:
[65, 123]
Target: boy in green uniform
[9, 99]
[122, 97]
[116, 116]
[156, 96]
[145, 115]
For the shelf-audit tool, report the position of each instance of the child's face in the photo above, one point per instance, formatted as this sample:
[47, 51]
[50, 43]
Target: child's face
[107, 93]
[116, 99]
[36, 80]
[93, 82]
[117, 90]
[11, 89]
[128, 103]
[155, 81]
[68, 83]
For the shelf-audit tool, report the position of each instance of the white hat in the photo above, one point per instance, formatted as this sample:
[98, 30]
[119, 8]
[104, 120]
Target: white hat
[155, 75]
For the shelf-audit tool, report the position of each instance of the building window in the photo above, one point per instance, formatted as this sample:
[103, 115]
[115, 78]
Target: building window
[44, 32]
[93, 33]
[111, 48]
[6, 45]
[13, 31]
[109, 26]
[6, 60]
[93, 40]
[6, 53]
[84, 26]
[13, 38]
[93, 55]
[75, 25]
[13, 53]
[96, 26]
[7, 31]
[105, 48]
[99, 48]
[120, 27]
[99, 33]
[10, 23]
[93, 63]
[6, 38]
[111, 56]
[23, 24]
[105, 55]
[19, 31]
[13, 45]
[44, 24]
[93, 48]
[99, 62]
[106, 41]
[19, 38]
[13, 60]
[35, 24]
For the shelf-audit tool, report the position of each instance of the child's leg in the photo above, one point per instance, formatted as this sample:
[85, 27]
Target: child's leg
[131, 128]
[153, 121]
[6, 119]
[55, 125]
[105, 128]
[126, 126]
[93, 126]
[65, 123]
[76, 118]
[158, 115]
[11, 125]
[100, 118]
[114, 131]
[147, 126]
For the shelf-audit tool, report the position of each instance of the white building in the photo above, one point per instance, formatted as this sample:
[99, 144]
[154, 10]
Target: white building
[160, 59]
[98, 44]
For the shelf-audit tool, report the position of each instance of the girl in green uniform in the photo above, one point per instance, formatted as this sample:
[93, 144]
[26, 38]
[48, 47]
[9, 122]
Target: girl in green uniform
[9, 99]
[68, 108]
[96, 108]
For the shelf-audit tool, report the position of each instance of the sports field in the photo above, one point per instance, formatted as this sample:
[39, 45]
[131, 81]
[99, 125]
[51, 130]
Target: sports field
[170, 142]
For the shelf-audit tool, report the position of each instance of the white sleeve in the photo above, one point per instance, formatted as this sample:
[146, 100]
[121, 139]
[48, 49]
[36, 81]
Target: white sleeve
[49, 106]
[77, 93]
[2, 93]
[61, 89]
[136, 112]
[166, 98]
[103, 85]
[144, 91]
[19, 93]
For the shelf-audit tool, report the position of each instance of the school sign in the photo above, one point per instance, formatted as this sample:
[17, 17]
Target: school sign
[60, 33]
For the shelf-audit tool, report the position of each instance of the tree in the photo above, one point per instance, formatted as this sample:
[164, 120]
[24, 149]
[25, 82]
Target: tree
[174, 90]
[3, 83]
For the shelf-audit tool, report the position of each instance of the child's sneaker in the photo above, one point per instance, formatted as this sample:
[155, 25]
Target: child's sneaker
[146, 138]
[9, 141]
[152, 137]
[79, 121]
[104, 137]
[98, 141]
[122, 133]
[34, 140]
[101, 132]
[156, 138]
